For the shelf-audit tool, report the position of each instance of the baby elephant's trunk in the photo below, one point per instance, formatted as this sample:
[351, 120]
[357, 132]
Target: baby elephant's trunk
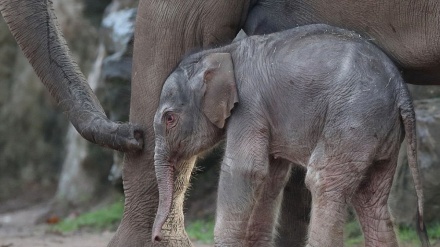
[165, 182]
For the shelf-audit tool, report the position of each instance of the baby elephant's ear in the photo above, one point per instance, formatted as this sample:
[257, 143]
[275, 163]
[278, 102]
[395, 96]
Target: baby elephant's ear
[221, 90]
[241, 35]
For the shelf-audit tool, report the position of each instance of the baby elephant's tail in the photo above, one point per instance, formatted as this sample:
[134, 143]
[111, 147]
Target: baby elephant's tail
[409, 121]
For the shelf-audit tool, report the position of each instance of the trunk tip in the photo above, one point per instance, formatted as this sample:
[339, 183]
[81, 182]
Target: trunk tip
[157, 228]
[157, 237]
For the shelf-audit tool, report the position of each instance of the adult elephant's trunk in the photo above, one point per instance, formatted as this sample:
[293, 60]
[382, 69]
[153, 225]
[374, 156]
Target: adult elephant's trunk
[34, 26]
[165, 184]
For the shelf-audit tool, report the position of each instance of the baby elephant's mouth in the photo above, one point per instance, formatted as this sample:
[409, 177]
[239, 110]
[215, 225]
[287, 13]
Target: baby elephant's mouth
[179, 154]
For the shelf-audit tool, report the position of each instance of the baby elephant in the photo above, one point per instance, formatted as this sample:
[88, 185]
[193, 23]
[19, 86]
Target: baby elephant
[317, 97]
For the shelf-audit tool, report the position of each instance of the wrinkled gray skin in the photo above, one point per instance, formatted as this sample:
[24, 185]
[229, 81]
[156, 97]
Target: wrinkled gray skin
[316, 96]
[165, 30]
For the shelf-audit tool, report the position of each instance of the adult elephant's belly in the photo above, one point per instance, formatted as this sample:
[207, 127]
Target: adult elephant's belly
[408, 31]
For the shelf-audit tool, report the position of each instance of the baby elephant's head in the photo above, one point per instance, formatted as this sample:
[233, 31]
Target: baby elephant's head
[195, 102]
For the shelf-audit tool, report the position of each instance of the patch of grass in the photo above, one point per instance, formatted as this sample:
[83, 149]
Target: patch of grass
[409, 234]
[201, 231]
[101, 219]
[353, 233]
[434, 231]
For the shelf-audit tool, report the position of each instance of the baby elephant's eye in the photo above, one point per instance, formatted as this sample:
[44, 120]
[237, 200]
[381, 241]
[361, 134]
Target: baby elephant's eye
[170, 119]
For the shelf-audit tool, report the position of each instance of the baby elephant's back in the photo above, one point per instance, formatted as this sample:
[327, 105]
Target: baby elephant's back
[344, 86]
[329, 58]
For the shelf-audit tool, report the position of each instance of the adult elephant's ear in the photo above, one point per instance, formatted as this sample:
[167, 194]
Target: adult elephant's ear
[220, 88]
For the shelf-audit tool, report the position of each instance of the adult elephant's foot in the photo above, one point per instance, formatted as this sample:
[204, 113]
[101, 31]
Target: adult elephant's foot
[295, 212]
[123, 137]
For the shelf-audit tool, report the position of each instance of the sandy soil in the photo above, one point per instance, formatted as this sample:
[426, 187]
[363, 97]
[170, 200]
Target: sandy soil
[18, 230]
[51, 240]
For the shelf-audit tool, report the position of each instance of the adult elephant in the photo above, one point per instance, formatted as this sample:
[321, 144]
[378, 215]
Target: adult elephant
[167, 29]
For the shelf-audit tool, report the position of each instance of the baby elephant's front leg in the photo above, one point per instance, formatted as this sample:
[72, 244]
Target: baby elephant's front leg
[262, 225]
[243, 172]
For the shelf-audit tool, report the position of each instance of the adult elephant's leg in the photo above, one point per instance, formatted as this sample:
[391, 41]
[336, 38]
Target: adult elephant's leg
[34, 26]
[295, 211]
[165, 31]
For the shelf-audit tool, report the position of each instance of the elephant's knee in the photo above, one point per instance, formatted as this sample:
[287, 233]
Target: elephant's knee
[254, 174]
[312, 180]
[244, 171]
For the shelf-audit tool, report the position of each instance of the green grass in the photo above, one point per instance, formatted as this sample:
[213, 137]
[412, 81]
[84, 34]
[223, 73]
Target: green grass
[105, 218]
[409, 235]
[353, 234]
[201, 231]
[434, 231]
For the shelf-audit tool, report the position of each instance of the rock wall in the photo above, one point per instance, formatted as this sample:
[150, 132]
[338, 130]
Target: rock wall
[33, 129]
[84, 178]
[117, 36]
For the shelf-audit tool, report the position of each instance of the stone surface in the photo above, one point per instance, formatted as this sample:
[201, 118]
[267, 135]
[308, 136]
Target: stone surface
[84, 178]
[117, 35]
[34, 145]
[424, 92]
[31, 128]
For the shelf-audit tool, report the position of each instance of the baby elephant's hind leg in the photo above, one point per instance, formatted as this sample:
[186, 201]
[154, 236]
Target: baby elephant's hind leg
[370, 203]
[332, 180]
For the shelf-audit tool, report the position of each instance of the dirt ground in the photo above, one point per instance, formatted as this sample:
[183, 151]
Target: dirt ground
[18, 230]
[51, 240]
